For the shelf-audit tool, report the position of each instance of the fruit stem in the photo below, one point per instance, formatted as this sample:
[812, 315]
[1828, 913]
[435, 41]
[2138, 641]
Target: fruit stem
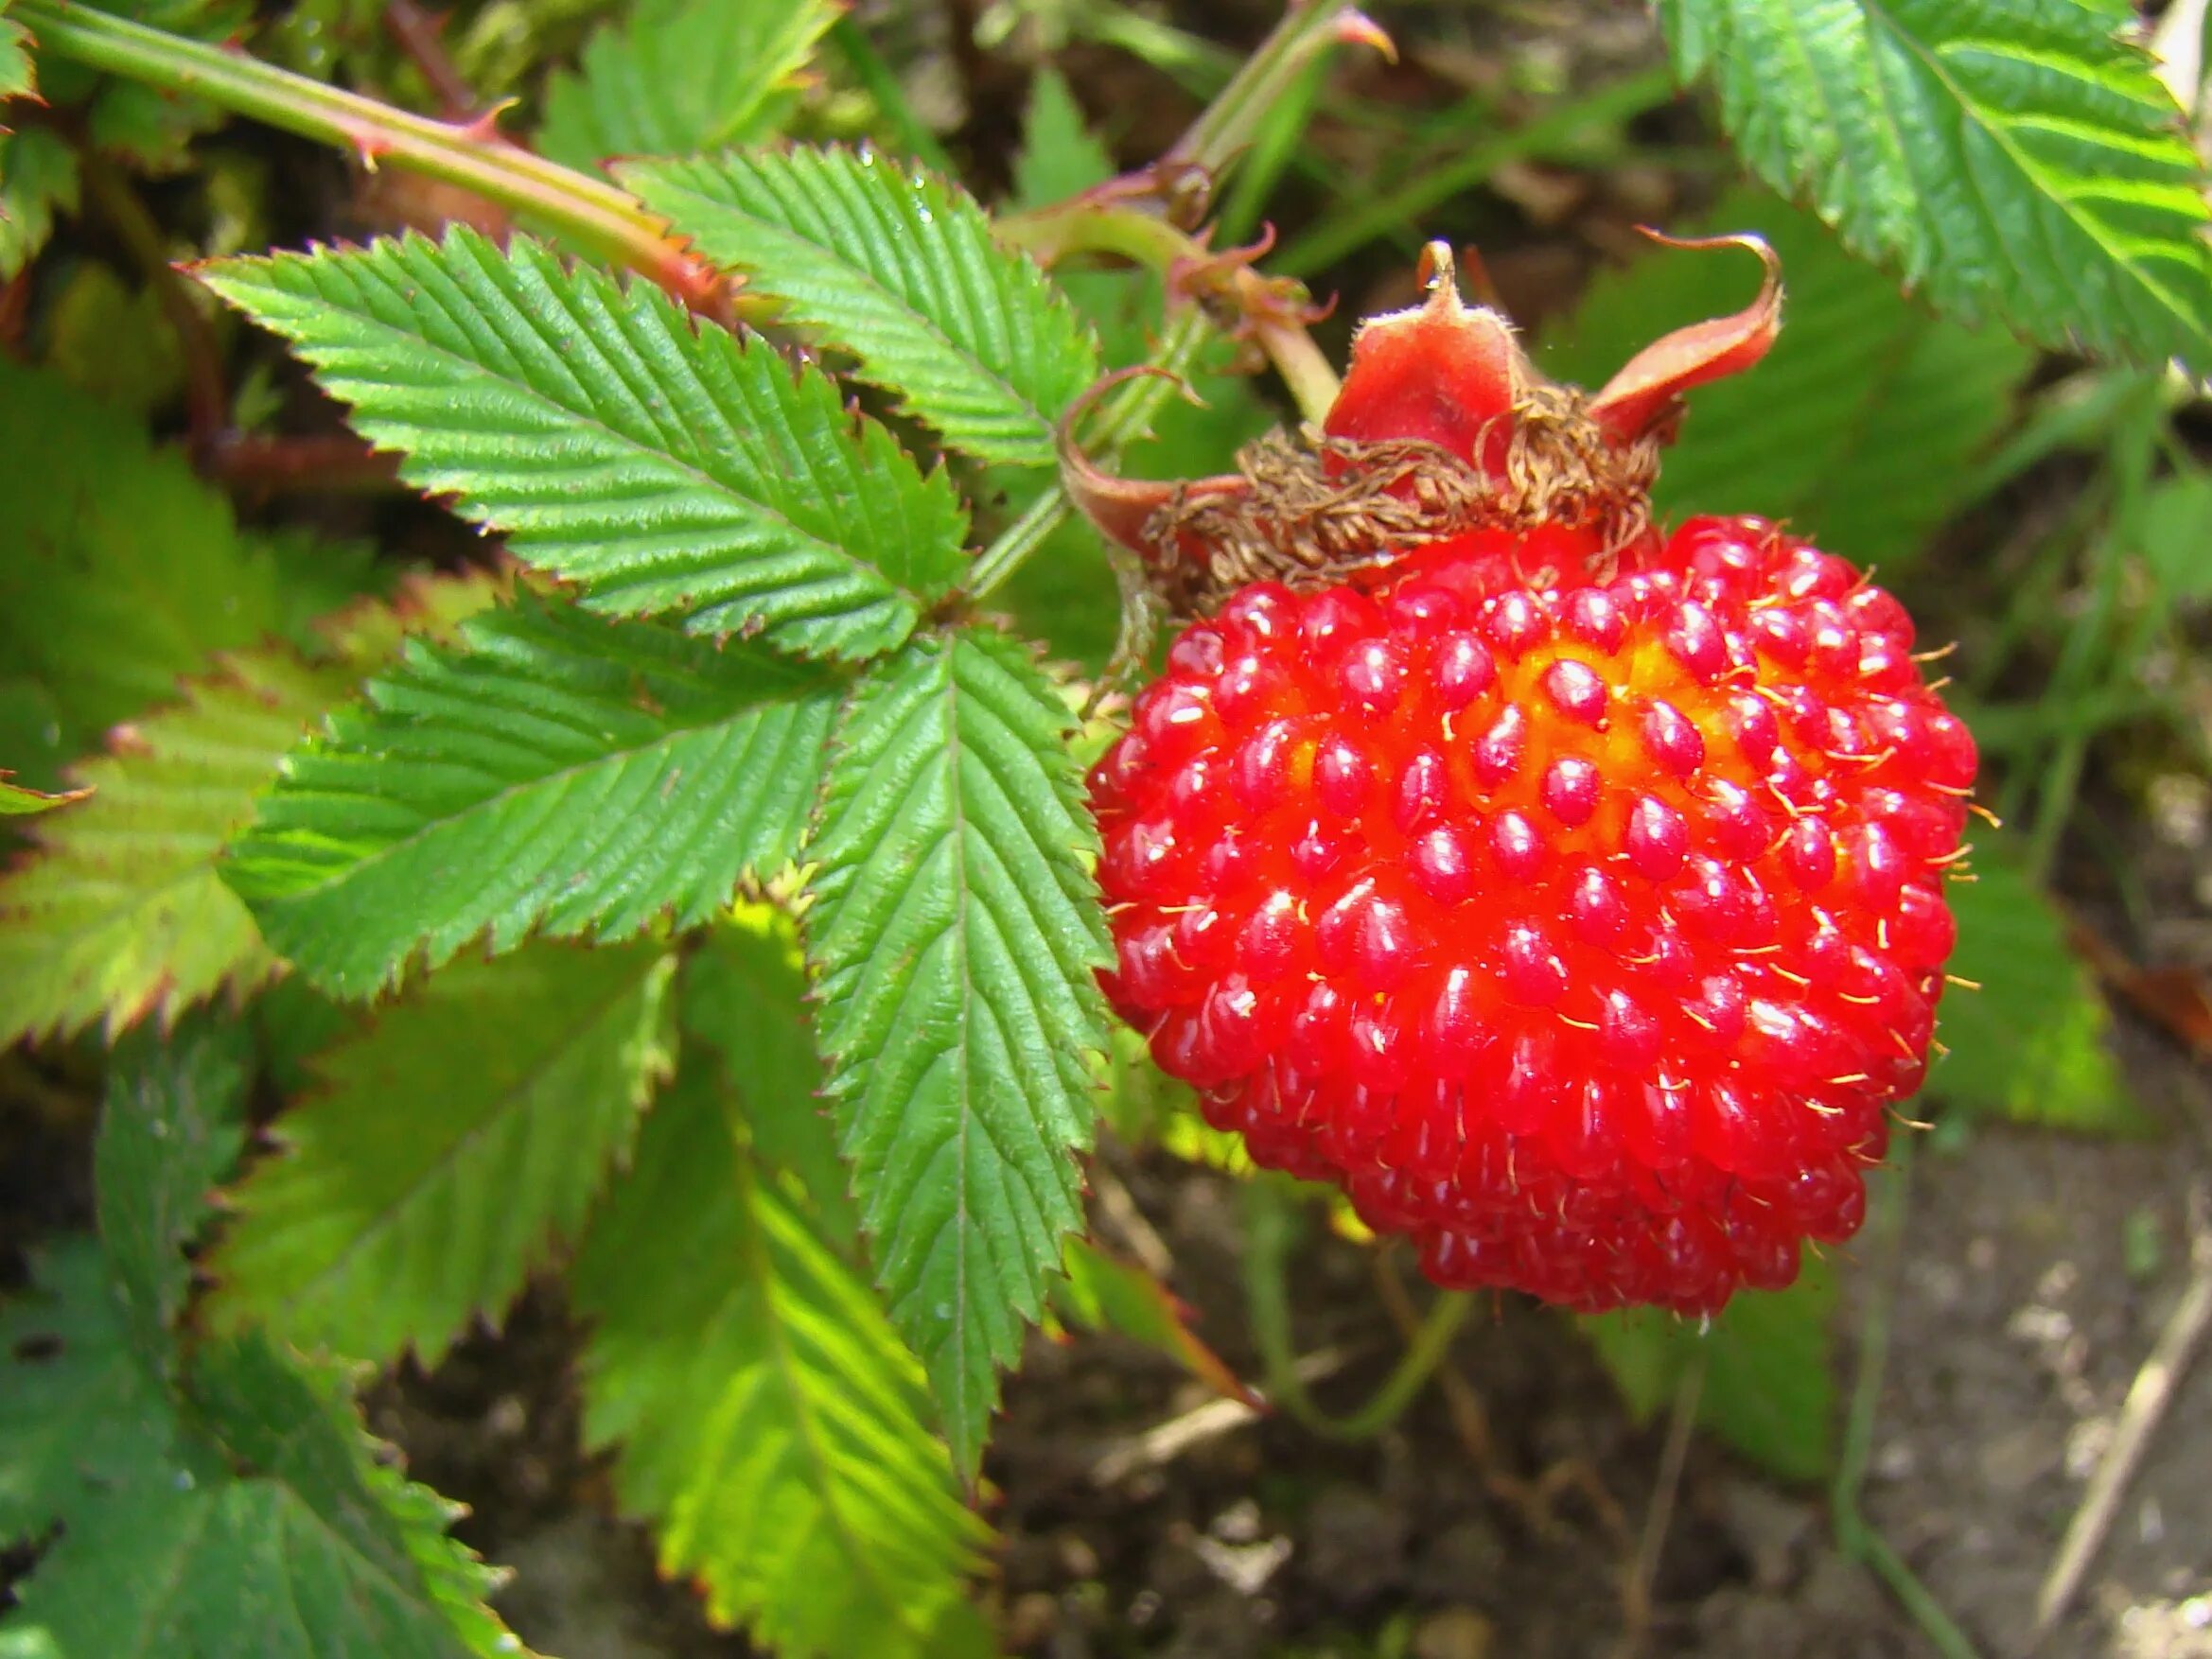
[1123, 418]
[590, 213]
[1270, 1232]
[1855, 1536]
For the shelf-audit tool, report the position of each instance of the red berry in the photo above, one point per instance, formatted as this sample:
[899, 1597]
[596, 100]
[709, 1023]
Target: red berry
[1569, 894]
[1589, 947]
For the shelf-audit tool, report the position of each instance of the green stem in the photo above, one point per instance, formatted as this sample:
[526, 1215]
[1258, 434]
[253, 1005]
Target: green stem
[1353, 229]
[590, 213]
[1224, 127]
[1270, 1231]
[1855, 1536]
[1125, 414]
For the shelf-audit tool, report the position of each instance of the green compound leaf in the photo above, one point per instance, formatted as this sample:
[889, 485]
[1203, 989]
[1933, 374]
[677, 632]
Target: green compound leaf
[1858, 429]
[767, 1420]
[662, 465]
[2034, 1044]
[219, 1501]
[274, 1527]
[117, 912]
[120, 571]
[2018, 160]
[679, 77]
[899, 268]
[170, 1130]
[1769, 1384]
[955, 931]
[554, 771]
[744, 997]
[452, 1143]
[80, 1412]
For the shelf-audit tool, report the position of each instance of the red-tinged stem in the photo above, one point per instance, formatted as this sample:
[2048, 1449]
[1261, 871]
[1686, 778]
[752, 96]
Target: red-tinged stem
[590, 213]
[421, 35]
[252, 466]
[1273, 309]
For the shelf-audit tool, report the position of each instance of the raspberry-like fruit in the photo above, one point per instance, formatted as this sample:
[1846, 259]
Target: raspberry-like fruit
[1576, 903]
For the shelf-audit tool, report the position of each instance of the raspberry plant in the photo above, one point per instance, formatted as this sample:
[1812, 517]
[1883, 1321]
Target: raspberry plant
[697, 900]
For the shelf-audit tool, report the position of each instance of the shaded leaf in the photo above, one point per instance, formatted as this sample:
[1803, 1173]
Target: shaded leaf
[1859, 426]
[661, 464]
[744, 996]
[899, 268]
[2020, 161]
[678, 76]
[1107, 1294]
[552, 771]
[956, 932]
[120, 571]
[1770, 1387]
[37, 178]
[451, 1143]
[18, 802]
[117, 912]
[171, 1128]
[766, 1420]
[2034, 1044]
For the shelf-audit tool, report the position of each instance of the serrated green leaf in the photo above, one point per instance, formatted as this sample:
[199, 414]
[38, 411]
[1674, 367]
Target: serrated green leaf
[1060, 156]
[450, 1144]
[957, 931]
[1106, 1293]
[1858, 427]
[37, 178]
[117, 913]
[899, 268]
[1769, 1387]
[679, 76]
[554, 771]
[2015, 160]
[766, 1420]
[664, 465]
[120, 571]
[2034, 1044]
[221, 1505]
[318, 1552]
[16, 76]
[170, 1130]
[79, 1413]
[330, 1538]
[19, 802]
[744, 997]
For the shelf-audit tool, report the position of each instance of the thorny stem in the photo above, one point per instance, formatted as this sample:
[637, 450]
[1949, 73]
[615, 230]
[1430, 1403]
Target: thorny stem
[418, 34]
[590, 213]
[1270, 1232]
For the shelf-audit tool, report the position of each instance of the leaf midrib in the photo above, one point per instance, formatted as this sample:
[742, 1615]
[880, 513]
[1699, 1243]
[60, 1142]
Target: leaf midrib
[556, 780]
[1879, 12]
[894, 301]
[411, 458]
[807, 1429]
[377, 1224]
